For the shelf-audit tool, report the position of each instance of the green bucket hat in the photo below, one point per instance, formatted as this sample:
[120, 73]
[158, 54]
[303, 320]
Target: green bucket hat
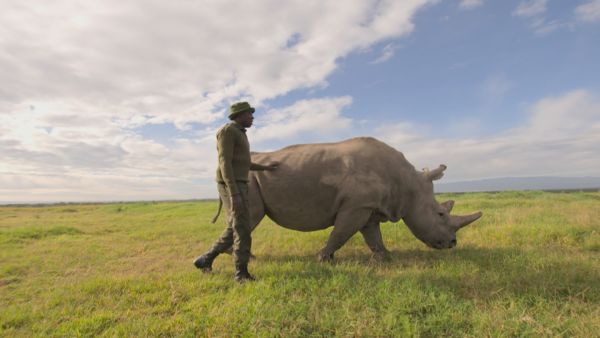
[238, 108]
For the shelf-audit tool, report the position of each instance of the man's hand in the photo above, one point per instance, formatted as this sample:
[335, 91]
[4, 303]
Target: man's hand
[236, 203]
[272, 166]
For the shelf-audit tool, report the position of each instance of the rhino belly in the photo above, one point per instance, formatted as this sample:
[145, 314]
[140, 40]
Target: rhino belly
[299, 204]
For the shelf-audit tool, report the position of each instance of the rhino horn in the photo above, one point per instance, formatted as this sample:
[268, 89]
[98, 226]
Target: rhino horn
[435, 174]
[461, 221]
[448, 205]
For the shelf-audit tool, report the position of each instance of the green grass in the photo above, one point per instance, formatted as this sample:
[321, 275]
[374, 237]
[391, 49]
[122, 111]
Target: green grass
[529, 267]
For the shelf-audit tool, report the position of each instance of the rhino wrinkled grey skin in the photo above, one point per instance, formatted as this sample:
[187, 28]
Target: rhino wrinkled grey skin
[353, 185]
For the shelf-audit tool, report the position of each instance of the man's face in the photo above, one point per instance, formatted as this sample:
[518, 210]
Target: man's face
[245, 119]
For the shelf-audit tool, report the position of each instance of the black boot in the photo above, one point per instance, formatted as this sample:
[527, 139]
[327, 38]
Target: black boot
[205, 261]
[241, 273]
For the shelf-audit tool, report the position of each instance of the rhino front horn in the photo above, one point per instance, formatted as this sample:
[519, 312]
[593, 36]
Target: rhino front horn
[461, 221]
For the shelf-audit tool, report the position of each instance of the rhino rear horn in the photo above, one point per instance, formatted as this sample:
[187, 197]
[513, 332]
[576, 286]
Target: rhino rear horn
[435, 174]
[448, 205]
[462, 221]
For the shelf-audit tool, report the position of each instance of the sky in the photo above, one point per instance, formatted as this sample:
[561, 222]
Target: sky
[120, 100]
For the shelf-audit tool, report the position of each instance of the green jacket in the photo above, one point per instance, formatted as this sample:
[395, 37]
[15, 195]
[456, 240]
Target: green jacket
[234, 156]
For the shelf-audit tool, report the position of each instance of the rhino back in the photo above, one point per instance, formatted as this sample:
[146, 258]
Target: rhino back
[314, 180]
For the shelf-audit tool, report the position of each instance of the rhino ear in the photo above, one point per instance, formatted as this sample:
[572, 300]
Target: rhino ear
[435, 174]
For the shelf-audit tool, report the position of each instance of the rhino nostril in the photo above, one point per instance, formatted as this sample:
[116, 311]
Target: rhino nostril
[453, 243]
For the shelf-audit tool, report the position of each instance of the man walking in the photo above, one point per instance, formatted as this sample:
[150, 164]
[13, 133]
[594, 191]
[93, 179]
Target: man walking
[232, 178]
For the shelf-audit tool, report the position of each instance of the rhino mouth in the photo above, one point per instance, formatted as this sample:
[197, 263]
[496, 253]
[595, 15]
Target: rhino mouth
[441, 245]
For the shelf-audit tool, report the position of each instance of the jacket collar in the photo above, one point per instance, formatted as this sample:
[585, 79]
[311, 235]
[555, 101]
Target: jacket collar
[239, 126]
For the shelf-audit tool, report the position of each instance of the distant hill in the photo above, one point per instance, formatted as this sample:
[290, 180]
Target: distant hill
[521, 183]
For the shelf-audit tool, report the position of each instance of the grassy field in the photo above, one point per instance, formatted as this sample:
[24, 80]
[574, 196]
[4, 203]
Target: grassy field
[529, 267]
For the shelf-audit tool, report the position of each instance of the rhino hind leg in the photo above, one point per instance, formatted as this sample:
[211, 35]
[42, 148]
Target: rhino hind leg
[371, 232]
[347, 223]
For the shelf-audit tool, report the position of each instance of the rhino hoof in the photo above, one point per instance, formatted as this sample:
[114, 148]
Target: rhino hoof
[325, 257]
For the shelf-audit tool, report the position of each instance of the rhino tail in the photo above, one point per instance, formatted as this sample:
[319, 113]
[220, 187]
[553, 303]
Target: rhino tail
[218, 211]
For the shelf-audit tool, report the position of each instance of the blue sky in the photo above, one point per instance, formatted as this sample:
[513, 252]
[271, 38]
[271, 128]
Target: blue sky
[121, 100]
[483, 64]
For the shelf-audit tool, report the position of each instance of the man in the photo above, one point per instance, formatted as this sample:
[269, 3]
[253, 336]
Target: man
[232, 178]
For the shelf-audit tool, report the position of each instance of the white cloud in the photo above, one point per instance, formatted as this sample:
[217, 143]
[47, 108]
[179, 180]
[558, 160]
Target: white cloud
[320, 116]
[71, 157]
[530, 8]
[470, 4]
[534, 11]
[80, 77]
[560, 138]
[589, 11]
[85, 187]
[559, 117]
[183, 62]
[59, 141]
[401, 133]
[387, 53]
[541, 26]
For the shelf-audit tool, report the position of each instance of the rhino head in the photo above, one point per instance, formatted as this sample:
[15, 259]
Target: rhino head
[430, 221]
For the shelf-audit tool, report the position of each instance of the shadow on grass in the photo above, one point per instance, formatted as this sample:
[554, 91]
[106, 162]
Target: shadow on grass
[469, 273]
[481, 272]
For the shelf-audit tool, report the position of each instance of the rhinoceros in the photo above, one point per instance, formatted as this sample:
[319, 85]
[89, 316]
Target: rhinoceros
[352, 185]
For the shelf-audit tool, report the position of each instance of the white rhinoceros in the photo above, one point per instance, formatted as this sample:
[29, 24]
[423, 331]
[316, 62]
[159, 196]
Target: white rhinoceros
[353, 185]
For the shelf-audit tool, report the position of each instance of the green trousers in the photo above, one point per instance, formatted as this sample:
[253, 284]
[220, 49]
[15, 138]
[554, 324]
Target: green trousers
[238, 231]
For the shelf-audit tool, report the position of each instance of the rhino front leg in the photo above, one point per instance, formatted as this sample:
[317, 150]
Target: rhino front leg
[372, 234]
[347, 223]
